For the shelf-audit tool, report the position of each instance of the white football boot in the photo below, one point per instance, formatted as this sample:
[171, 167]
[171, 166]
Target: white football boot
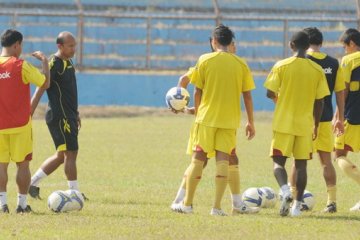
[217, 212]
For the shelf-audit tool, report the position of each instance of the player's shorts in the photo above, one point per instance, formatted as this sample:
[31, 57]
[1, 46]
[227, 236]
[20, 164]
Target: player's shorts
[211, 139]
[16, 147]
[64, 133]
[325, 138]
[300, 147]
[350, 140]
[191, 146]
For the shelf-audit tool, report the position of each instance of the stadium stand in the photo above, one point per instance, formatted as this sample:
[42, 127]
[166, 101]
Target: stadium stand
[114, 42]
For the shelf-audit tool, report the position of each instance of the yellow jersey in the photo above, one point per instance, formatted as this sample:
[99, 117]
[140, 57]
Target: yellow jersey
[297, 82]
[222, 76]
[350, 66]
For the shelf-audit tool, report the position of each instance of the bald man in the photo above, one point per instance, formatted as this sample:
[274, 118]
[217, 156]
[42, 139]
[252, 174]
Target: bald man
[62, 116]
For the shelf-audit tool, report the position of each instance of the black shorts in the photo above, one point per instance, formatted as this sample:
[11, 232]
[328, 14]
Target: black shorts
[64, 133]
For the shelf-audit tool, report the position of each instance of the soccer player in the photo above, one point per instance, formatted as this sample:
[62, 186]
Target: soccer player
[16, 143]
[350, 140]
[219, 79]
[62, 116]
[324, 143]
[298, 86]
[233, 174]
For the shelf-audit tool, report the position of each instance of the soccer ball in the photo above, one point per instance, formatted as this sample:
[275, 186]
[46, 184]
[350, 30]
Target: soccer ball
[65, 201]
[177, 98]
[269, 197]
[253, 197]
[308, 201]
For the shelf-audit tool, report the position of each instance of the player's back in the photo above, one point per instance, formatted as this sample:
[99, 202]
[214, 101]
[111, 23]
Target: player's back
[330, 67]
[300, 78]
[223, 76]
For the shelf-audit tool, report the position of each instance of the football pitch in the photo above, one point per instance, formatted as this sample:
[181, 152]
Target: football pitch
[131, 168]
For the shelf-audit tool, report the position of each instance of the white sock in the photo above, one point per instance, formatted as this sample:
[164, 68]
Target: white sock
[3, 198]
[22, 200]
[35, 180]
[180, 195]
[297, 204]
[285, 189]
[236, 200]
[73, 185]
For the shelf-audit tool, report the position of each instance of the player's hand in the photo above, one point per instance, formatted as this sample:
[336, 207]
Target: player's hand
[39, 55]
[315, 132]
[79, 122]
[338, 127]
[189, 110]
[176, 111]
[250, 131]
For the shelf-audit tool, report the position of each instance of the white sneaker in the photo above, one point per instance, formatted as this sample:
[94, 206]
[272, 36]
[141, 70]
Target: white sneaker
[295, 211]
[243, 209]
[285, 205]
[181, 208]
[355, 208]
[217, 212]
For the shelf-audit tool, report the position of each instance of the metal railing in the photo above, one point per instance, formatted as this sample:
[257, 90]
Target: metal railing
[80, 14]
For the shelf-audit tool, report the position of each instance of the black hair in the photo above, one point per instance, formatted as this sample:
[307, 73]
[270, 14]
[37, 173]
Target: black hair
[60, 40]
[223, 35]
[300, 40]
[350, 34]
[315, 36]
[9, 37]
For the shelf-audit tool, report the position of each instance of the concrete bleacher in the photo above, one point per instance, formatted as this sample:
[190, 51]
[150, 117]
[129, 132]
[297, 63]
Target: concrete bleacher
[120, 43]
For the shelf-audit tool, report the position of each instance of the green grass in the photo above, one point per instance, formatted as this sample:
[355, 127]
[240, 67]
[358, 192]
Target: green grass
[131, 168]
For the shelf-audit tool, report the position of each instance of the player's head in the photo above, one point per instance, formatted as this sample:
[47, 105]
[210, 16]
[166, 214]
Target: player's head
[350, 40]
[222, 36]
[66, 43]
[231, 47]
[315, 36]
[11, 40]
[299, 41]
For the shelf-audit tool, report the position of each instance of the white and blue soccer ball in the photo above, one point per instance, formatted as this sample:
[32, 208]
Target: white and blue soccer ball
[269, 197]
[177, 98]
[308, 202]
[253, 197]
[65, 201]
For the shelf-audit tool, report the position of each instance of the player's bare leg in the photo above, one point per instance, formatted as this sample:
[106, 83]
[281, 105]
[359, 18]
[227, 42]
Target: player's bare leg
[23, 177]
[350, 169]
[48, 167]
[282, 178]
[70, 169]
[300, 183]
[3, 184]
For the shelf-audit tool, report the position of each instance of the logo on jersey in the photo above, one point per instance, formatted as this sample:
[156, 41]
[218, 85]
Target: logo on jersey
[4, 75]
[328, 70]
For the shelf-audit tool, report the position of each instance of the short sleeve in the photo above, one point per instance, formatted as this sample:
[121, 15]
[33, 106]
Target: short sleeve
[345, 70]
[273, 81]
[248, 81]
[339, 81]
[31, 74]
[198, 78]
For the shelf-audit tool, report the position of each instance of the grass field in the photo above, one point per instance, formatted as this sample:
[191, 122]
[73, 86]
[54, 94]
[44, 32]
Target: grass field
[131, 168]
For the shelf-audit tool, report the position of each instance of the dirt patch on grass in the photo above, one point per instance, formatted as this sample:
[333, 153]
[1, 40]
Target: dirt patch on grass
[110, 111]
[134, 111]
